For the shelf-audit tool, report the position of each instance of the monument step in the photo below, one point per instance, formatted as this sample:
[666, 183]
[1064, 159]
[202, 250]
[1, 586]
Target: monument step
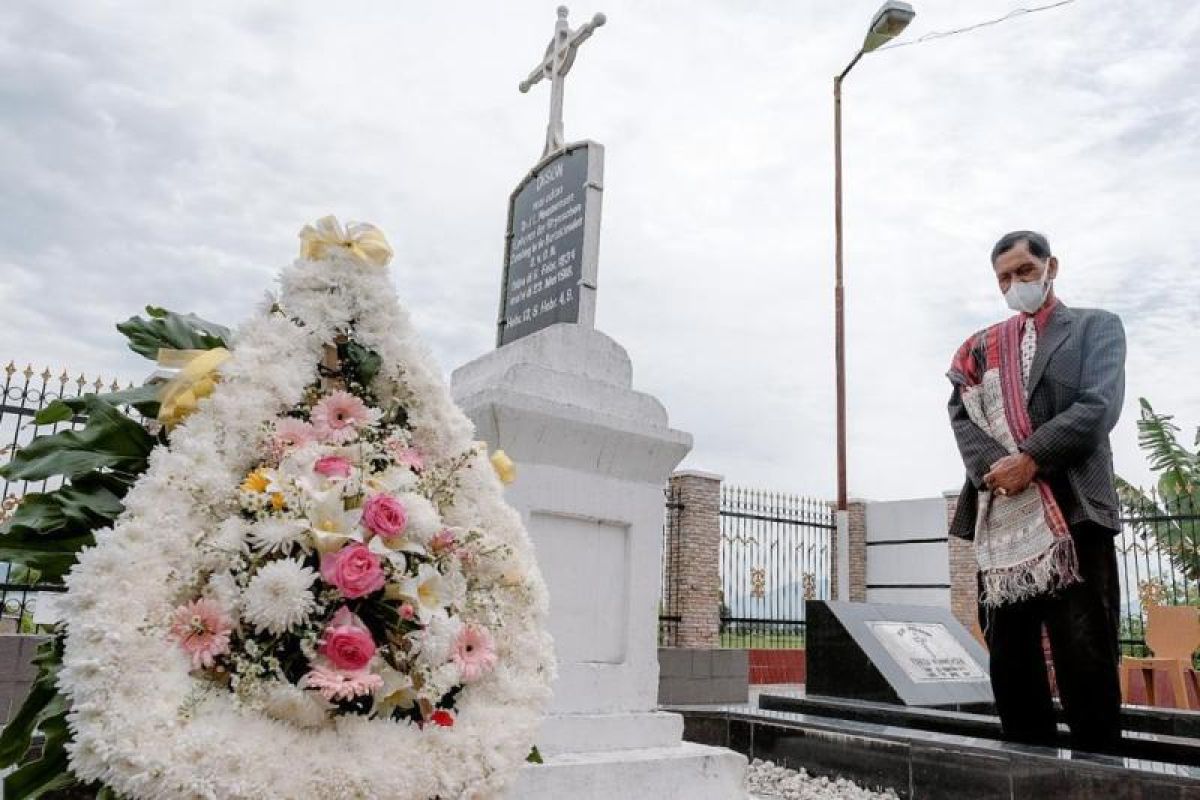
[685, 772]
[585, 733]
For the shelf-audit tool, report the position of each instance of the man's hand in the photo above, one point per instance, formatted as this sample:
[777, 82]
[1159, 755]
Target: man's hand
[1011, 474]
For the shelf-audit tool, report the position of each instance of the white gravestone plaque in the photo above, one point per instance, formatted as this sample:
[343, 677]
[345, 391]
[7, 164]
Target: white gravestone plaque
[927, 652]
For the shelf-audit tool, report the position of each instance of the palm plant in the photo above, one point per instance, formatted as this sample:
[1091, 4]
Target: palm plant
[1170, 513]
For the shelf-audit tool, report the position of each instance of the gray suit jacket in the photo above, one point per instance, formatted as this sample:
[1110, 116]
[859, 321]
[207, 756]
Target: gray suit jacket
[1078, 387]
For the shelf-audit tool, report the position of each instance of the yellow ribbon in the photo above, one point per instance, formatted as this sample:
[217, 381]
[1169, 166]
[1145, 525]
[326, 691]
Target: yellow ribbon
[361, 240]
[196, 380]
[506, 470]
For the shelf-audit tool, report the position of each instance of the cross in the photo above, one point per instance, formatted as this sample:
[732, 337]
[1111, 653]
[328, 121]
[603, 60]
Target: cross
[560, 55]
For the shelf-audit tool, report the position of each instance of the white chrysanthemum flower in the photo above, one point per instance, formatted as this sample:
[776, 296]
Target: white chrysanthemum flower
[223, 588]
[435, 643]
[278, 597]
[278, 535]
[229, 537]
[288, 703]
[423, 518]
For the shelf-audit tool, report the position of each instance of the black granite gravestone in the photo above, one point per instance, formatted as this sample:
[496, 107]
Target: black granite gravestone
[912, 655]
[551, 244]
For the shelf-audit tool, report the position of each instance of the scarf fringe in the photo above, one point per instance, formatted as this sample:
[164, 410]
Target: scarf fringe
[1054, 569]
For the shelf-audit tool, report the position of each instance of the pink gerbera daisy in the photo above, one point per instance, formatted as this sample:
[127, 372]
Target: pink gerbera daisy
[474, 653]
[338, 416]
[334, 685]
[202, 629]
[291, 433]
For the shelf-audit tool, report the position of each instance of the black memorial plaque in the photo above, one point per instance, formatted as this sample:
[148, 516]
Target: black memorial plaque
[889, 653]
[545, 248]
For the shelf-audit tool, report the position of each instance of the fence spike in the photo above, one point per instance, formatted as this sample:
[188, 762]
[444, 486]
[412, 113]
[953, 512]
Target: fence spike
[28, 373]
[46, 375]
[10, 369]
[80, 381]
[62, 379]
[114, 386]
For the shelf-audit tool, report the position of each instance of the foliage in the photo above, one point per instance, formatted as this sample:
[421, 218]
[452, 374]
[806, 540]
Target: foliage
[1169, 514]
[97, 465]
[172, 331]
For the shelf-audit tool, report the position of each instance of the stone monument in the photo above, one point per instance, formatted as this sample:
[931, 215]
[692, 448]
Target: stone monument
[593, 456]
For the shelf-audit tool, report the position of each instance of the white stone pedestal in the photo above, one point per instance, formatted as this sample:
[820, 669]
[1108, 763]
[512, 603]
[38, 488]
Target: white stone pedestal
[592, 459]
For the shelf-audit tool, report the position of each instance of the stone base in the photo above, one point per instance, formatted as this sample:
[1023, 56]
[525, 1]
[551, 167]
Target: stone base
[685, 772]
[590, 733]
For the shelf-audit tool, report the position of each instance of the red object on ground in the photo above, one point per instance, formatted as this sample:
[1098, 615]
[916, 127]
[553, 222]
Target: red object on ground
[778, 666]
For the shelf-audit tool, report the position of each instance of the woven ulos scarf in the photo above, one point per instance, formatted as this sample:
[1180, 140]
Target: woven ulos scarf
[1022, 543]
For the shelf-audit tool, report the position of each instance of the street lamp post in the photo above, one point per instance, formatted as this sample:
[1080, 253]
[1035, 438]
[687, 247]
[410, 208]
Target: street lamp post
[891, 18]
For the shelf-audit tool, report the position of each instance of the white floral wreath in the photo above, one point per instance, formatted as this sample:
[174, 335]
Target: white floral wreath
[146, 727]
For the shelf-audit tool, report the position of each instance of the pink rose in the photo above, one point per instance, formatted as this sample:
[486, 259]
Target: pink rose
[384, 515]
[347, 643]
[333, 466]
[354, 570]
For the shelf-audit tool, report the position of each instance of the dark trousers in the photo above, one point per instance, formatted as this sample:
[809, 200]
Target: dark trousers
[1082, 623]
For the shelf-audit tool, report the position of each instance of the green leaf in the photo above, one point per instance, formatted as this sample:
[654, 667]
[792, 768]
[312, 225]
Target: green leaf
[1177, 468]
[143, 398]
[49, 773]
[167, 329]
[109, 440]
[534, 757]
[43, 701]
[361, 362]
[89, 502]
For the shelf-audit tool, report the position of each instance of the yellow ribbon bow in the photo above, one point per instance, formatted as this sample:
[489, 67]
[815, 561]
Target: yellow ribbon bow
[196, 380]
[361, 240]
[506, 470]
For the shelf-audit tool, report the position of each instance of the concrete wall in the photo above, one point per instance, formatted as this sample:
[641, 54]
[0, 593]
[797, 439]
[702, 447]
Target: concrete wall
[695, 677]
[16, 671]
[906, 553]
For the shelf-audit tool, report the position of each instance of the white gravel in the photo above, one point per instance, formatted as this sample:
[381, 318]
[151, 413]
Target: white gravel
[766, 780]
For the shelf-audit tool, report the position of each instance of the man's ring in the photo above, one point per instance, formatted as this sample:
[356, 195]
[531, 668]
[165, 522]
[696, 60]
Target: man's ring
[1002, 492]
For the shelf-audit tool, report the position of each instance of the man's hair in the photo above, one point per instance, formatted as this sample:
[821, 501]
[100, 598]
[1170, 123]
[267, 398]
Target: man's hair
[1039, 245]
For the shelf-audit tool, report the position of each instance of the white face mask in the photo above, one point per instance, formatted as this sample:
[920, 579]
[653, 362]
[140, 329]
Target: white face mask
[1029, 297]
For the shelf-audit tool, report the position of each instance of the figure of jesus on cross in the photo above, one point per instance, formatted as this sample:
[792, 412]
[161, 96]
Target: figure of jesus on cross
[560, 55]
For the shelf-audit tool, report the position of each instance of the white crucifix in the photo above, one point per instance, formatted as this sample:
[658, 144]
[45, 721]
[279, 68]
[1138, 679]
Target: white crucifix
[560, 55]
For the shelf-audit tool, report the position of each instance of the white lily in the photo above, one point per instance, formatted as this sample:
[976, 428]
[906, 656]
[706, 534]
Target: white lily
[329, 523]
[426, 591]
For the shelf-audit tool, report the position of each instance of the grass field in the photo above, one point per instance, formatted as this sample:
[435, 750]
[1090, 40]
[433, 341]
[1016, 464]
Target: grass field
[765, 641]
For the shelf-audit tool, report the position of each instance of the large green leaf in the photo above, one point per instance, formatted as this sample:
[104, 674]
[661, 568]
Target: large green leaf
[89, 502]
[1177, 468]
[109, 440]
[143, 398]
[42, 702]
[51, 772]
[166, 329]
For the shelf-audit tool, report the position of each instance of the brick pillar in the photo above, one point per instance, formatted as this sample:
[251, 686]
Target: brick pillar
[857, 511]
[696, 587]
[963, 571]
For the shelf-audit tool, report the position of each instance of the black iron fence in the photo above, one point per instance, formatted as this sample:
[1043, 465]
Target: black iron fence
[1158, 556]
[776, 552]
[25, 392]
[670, 606]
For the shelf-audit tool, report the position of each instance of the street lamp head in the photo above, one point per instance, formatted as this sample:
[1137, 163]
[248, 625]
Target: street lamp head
[889, 21]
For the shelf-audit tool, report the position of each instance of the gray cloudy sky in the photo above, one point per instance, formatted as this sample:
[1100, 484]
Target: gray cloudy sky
[168, 154]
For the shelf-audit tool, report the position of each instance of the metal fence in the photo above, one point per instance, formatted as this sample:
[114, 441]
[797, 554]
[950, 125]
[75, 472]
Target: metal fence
[670, 610]
[1158, 556]
[26, 392]
[776, 553]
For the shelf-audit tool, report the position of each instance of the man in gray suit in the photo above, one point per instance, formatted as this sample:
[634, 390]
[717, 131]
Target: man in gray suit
[1044, 448]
